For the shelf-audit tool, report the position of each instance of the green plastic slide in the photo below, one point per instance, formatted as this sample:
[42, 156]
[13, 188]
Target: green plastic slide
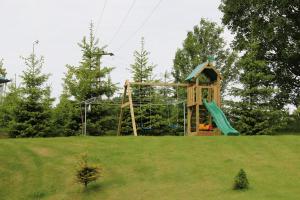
[219, 118]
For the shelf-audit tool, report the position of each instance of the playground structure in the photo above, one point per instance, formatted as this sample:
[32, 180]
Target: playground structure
[127, 100]
[204, 116]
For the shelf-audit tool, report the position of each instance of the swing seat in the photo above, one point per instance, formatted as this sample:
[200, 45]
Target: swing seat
[147, 128]
[174, 126]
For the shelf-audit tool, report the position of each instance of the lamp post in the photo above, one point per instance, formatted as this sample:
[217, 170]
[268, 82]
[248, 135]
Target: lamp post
[103, 53]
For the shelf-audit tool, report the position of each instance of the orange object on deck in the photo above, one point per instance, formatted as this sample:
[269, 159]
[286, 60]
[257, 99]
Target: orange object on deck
[205, 127]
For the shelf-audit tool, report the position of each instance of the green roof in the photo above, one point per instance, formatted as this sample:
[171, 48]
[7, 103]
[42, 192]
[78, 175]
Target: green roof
[3, 80]
[195, 72]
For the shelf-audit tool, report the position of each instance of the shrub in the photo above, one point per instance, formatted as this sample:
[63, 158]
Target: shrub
[241, 181]
[86, 173]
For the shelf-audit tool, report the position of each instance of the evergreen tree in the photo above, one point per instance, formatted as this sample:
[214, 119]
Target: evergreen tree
[32, 115]
[141, 70]
[254, 114]
[66, 117]
[241, 181]
[8, 105]
[2, 69]
[148, 117]
[90, 79]
[205, 40]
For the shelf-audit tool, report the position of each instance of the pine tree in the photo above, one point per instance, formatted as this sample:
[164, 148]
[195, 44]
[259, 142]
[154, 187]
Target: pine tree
[8, 105]
[32, 115]
[88, 79]
[148, 117]
[91, 79]
[66, 117]
[141, 70]
[86, 173]
[241, 181]
[254, 113]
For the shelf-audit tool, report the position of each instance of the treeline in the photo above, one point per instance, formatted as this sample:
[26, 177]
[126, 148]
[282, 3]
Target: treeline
[260, 71]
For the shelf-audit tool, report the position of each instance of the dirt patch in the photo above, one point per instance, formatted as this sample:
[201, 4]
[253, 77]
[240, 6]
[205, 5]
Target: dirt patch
[42, 151]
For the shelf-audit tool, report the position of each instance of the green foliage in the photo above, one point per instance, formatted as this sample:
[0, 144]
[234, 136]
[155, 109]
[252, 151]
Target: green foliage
[66, 117]
[31, 116]
[203, 42]
[8, 106]
[241, 181]
[103, 118]
[276, 25]
[153, 114]
[2, 69]
[254, 113]
[141, 70]
[86, 173]
[293, 124]
[88, 79]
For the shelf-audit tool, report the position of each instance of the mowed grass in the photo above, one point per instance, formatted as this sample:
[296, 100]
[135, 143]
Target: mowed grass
[151, 167]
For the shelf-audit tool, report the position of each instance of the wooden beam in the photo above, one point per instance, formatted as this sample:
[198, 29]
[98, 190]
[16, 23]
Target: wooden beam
[160, 84]
[121, 111]
[125, 104]
[131, 110]
[189, 113]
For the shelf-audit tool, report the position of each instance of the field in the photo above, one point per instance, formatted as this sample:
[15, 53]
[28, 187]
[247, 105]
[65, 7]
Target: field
[151, 167]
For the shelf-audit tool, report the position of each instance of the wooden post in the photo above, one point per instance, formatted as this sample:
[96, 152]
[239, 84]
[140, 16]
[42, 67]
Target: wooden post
[219, 91]
[189, 120]
[121, 111]
[189, 91]
[197, 105]
[131, 110]
[184, 119]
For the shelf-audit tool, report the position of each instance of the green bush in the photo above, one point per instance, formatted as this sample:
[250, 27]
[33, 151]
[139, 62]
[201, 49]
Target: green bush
[86, 173]
[241, 181]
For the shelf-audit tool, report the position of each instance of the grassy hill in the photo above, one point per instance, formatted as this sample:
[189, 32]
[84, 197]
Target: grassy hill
[151, 167]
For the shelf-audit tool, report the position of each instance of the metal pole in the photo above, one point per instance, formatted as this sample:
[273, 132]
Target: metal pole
[85, 118]
[183, 118]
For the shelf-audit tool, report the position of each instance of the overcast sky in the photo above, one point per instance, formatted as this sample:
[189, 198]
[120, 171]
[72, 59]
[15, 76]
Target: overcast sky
[60, 24]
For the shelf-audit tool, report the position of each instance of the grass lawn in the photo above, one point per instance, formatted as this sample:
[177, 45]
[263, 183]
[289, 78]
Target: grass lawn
[151, 167]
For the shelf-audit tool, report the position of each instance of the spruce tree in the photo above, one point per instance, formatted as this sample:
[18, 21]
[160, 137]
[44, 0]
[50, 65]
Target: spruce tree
[148, 117]
[32, 114]
[241, 181]
[90, 79]
[66, 117]
[253, 113]
[8, 105]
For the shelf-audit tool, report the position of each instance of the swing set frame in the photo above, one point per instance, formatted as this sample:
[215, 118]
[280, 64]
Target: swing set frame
[128, 93]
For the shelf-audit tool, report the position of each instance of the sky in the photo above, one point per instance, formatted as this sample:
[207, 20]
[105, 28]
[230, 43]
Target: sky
[59, 25]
